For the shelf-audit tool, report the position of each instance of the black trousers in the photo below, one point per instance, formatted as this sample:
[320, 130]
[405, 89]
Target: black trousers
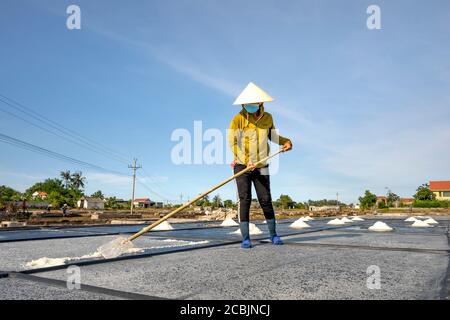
[262, 187]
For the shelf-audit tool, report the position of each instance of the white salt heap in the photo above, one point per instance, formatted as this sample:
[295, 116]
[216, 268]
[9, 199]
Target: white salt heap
[411, 219]
[307, 218]
[163, 226]
[51, 262]
[420, 224]
[229, 222]
[299, 224]
[254, 230]
[345, 219]
[380, 226]
[356, 218]
[431, 221]
[336, 222]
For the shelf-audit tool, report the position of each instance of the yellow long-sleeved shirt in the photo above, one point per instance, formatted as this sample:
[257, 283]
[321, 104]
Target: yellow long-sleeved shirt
[249, 137]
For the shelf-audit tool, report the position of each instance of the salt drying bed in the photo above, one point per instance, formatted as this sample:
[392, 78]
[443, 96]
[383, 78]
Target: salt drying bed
[15, 255]
[321, 262]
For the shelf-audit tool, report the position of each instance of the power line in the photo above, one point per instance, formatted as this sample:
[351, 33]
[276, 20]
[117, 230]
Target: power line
[56, 134]
[52, 154]
[158, 185]
[66, 131]
[68, 135]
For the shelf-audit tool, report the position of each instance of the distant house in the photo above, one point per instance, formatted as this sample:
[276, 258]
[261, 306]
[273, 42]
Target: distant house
[396, 204]
[142, 203]
[382, 199]
[146, 203]
[441, 189]
[91, 203]
[39, 194]
[406, 201]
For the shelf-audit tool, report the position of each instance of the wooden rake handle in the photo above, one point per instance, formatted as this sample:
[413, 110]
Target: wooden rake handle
[167, 216]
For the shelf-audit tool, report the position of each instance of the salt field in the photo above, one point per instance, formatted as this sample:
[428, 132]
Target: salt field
[205, 261]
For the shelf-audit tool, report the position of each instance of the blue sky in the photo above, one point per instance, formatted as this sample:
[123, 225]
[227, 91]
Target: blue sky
[365, 109]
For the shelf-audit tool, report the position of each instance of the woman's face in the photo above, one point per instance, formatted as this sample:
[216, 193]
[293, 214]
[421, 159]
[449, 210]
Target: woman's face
[252, 107]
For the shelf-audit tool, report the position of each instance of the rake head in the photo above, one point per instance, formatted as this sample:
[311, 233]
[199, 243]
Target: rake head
[115, 248]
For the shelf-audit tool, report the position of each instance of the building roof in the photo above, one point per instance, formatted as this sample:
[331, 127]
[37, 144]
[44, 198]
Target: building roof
[92, 199]
[440, 185]
[40, 193]
[142, 200]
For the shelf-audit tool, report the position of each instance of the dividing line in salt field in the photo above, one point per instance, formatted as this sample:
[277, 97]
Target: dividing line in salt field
[85, 287]
[349, 246]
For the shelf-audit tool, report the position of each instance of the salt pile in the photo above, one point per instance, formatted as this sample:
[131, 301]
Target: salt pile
[254, 230]
[431, 221]
[411, 219]
[420, 224]
[51, 262]
[299, 224]
[163, 226]
[307, 218]
[345, 219]
[380, 226]
[228, 222]
[336, 222]
[357, 219]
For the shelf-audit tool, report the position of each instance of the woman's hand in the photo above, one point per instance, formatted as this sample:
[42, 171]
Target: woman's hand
[287, 146]
[251, 165]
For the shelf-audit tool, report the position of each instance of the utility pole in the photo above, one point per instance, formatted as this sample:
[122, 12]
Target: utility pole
[134, 167]
[181, 198]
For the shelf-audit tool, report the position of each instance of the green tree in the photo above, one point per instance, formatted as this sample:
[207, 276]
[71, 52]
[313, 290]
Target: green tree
[368, 200]
[216, 201]
[98, 194]
[424, 193]
[392, 198]
[299, 205]
[48, 186]
[203, 202]
[77, 180]
[56, 199]
[9, 194]
[284, 201]
[228, 203]
[66, 178]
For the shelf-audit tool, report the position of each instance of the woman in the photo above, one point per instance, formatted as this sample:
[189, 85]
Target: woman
[249, 135]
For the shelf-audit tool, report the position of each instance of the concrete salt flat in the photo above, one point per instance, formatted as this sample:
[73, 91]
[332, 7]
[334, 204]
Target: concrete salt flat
[374, 239]
[272, 272]
[39, 234]
[321, 262]
[13, 255]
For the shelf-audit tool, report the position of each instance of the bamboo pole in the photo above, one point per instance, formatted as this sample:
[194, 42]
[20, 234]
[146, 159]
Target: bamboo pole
[154, 224]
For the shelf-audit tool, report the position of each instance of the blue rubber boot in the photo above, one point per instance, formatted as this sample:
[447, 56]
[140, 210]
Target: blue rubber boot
[244, 226]
[274, 238]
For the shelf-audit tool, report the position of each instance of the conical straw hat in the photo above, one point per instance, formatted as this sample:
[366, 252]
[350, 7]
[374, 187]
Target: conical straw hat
[252, 94]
